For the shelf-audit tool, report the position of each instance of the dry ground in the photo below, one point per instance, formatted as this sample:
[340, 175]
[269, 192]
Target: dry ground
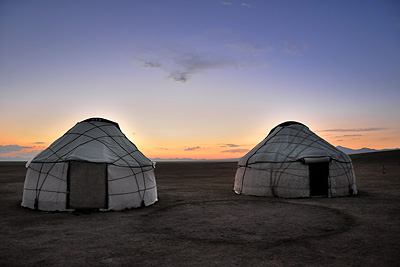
[199, 221]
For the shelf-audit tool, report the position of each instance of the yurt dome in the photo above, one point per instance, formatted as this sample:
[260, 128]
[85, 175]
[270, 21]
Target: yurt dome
[293, 162]
[92, 166]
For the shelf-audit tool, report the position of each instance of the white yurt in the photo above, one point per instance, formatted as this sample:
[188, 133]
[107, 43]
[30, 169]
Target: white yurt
[293, 162]
[92, 166]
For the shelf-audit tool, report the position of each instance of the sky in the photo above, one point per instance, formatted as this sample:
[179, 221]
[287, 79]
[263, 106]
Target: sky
[199, 79]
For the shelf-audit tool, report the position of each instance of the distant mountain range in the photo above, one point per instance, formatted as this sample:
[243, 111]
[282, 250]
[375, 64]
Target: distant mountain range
[350, 151]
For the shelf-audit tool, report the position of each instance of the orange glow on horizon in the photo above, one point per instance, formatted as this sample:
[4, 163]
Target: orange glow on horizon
[31, 140]
[358, 141]
[201, 153]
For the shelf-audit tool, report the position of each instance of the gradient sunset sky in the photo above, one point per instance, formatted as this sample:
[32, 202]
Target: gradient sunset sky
[199, 79]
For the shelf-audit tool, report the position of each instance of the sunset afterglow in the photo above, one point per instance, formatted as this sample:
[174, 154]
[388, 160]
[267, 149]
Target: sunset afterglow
[199, 79]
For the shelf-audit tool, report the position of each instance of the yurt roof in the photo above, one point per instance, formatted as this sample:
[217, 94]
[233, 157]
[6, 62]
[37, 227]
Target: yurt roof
[292, 141]
[94, 140]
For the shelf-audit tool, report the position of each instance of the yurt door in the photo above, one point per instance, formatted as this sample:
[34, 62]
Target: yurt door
[319, 173]
[87, 185]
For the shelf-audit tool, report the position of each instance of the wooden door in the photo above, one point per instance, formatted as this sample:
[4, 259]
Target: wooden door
[319, 173]
[87, 185]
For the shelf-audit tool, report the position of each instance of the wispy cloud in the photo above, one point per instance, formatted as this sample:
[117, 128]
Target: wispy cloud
[12, 148]
[354, 130]
[229, 145]
[182, 61]
[347, 135]
[249, 55]
[244, 4]
[250, 48]
[192, 148]
[28, 154]
[226, 3]
[294, 48]
[39, 143]
[291, 48]
[239, 150]
[182, 66]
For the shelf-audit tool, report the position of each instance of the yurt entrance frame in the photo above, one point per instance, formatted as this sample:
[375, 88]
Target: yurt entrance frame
[87, 185]
[319, 175]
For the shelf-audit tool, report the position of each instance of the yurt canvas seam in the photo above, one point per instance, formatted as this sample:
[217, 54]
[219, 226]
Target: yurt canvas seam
[60, 157]
[42, 168]
[277, 156]
[122, 158]
[247, 161]
[287, 165]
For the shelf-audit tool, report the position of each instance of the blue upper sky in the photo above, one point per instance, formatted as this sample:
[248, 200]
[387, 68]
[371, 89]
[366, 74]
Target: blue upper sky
[181, 74]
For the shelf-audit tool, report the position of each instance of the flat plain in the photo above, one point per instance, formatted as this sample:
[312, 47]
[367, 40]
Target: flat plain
[200, 221]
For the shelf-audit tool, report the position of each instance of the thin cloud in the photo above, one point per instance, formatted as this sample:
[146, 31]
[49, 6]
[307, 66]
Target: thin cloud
[239, 150]
[12, 148]
[192, 148]
[354, 130]
[291, 48]
[180, 76]
[143, 63]
[347, 135]
[225, 3]
[229, 145]
[249, 55]
[191, 63]
[150, 64]
[39, 143]
[181, 67]
[250, 48]
[28, 155]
